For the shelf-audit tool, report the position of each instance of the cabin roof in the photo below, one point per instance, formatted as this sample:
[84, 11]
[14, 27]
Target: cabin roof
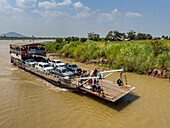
[25, 44]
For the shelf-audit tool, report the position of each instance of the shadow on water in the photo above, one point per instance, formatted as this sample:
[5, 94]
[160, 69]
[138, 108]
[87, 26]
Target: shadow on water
[117, 105]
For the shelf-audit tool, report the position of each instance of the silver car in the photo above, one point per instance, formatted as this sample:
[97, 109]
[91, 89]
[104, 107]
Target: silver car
[30, 62]
[62, 71]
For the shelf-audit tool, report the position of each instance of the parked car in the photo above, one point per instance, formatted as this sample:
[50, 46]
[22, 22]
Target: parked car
[41, 59]
[30, 62]
[62, 71]
[44, 67]
[74, 68]
[57, 63]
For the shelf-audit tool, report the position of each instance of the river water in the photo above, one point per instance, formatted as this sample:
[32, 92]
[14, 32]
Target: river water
[27, 101]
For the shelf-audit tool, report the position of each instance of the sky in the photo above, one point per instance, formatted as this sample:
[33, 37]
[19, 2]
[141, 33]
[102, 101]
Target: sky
[63, 18]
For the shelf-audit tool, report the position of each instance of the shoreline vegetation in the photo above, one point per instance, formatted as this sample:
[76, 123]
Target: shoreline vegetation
[149, 57]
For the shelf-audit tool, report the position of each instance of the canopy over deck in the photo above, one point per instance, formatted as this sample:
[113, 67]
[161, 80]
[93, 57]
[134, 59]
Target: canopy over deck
[25, 44]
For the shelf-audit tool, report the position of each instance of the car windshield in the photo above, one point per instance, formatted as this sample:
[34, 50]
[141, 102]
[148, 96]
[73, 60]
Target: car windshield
[46, 66]
[74, 66]
[33, 61]
[58, 62]
[64, 70]
[61, 65]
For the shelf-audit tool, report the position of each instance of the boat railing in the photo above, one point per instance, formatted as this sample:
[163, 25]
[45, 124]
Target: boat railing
[27, 52]
[51, 76]
[17, 51]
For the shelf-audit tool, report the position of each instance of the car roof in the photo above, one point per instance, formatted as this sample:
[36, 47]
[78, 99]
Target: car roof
[43, 63]
[30, 59]
[61, 68]
[55, 60]
[61, 64]
[72, 64]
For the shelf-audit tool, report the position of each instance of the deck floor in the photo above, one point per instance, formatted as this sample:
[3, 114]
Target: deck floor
[112, 91]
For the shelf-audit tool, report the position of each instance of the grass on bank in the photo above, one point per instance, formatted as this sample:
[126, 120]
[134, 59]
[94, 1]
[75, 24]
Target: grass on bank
[136, 56]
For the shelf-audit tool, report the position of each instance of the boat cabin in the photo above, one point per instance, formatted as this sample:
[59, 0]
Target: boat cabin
[23, 51]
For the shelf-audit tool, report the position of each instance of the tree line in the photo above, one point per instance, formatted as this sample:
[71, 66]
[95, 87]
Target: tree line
[114, 36]
[131, 35]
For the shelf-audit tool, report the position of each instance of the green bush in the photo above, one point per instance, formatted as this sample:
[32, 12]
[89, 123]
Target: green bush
[136, 56]
[59, 40]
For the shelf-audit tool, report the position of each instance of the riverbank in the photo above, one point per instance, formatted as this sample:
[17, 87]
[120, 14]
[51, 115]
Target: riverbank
[142, 57]
[92, 66]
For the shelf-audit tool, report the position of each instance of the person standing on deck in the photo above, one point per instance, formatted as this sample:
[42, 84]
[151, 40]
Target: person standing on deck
[82, 74]
[99, 75]
[95, 72]
[90, 81]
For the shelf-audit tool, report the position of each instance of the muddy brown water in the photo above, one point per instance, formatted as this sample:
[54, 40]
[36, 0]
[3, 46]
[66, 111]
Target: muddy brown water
[27, 101]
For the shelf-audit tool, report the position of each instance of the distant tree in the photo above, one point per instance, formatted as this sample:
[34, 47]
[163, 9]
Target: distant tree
[131, 34]
[149, 36]
[115, 35]
[59, 40]
[165, 37]
[68, 39]
[83, 39]
[123, 36]
[94, 37]
[75, 38]
[141, 36]
[157, 38]
[109, 36]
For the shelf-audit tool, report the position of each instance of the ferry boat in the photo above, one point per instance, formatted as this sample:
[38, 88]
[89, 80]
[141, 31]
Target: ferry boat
[95, 85]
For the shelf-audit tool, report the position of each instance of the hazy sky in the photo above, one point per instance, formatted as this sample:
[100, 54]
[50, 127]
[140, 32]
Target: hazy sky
[79, 17]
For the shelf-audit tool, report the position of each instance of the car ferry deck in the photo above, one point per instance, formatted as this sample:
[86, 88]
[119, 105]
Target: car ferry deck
[99, 86]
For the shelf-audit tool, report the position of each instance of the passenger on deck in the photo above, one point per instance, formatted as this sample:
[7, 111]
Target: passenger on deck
[82, 73]
[90, 81]
[85, 73]
[95, 81]
[99, 75]
[119, 82]
[99, 89]
[95, 72]
[94, 88]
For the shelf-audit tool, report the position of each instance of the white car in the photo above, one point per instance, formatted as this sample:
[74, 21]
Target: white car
[41, 66]
[57, 63]
[30, 62]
